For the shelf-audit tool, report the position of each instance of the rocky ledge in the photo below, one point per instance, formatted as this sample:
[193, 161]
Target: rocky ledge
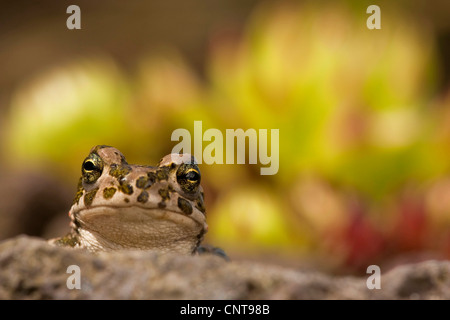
[32, 269]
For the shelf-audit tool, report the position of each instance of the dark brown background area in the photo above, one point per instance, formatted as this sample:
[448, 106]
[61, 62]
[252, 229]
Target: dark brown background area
[33, 34]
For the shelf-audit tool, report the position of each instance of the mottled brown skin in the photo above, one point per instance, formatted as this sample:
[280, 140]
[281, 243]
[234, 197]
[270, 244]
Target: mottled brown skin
[122, 206]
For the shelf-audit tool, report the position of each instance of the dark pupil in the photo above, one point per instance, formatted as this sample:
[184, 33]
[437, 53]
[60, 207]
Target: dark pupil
[192, 175]
[89, 166]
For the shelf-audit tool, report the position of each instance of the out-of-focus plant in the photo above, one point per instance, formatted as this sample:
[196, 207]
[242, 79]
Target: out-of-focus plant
[350, 103]
[353, 111]
[56, 116]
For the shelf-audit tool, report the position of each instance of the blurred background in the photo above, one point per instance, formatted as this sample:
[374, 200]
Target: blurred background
[364, 118]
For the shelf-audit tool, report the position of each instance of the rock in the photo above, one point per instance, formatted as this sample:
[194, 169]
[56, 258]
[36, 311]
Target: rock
[32, 269]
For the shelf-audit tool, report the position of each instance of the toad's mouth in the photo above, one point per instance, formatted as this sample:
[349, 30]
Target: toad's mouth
[137, 227]
[135, 214]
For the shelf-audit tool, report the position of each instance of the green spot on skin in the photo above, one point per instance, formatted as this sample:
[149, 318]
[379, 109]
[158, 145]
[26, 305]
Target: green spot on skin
[144, 182]
[162, 174]
[143, 197]
[119, 171]
[185, 206]
[80, 192]
[126, 188]
[108, 193]
[151, 177]
[69, 240]
[164, 193]
[200, 206]
[89, 197]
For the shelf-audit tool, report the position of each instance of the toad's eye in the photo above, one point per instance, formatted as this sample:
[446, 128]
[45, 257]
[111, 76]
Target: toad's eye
[89, 165]
[188, 177]
[92, 168]
[192, 175]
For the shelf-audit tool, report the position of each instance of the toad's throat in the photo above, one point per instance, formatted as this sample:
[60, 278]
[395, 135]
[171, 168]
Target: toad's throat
[113, 228]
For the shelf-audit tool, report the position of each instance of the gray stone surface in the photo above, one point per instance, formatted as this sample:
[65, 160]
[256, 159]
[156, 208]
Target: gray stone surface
[32, 269]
